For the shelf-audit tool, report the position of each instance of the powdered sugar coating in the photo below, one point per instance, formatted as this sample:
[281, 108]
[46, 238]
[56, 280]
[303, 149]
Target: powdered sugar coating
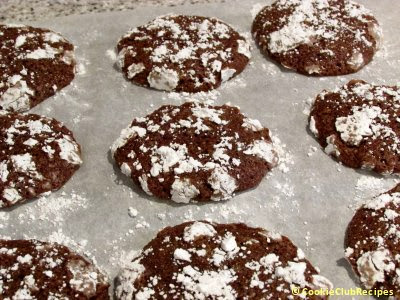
[30, 269]
[196, 230]
[35, 63]
[318, 37]
[373, 239]
[195, 152]
[38, 154]
[183, 53]
[358, 124]
[221, 261]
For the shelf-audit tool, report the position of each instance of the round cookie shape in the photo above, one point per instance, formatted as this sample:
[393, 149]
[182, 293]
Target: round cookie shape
[35, 64]
[182, 53]
[31, 269]
[202, 260]
[359, 125]
[37, 155]
[320, 38]
[195, 152]
[373, 242]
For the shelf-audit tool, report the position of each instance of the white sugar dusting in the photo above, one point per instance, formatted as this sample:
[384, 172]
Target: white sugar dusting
[368, 187]
[53, 208]
[111, 54]
[179, 98]
[285, 157]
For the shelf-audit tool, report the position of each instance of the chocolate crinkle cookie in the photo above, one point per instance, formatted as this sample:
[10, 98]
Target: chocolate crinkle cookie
[318, 37]
[37, 155]
[202, 260]
[373, 243]
[182, 53]
[359, 125]
[31, 269]
[34, 64]
[195, 152]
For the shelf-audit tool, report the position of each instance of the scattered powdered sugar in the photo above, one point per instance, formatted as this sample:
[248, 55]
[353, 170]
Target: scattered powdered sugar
[142, 224]
[311, 151]
[111, 54]
[287, 189]
[205, 97]
[285, 156]
[4, 217]
[53, 209]
[237, 82]
[60, 238]
[81, 66]
[227, 213]
[132, 212]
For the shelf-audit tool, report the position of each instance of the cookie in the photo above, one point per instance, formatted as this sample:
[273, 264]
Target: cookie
[373, 242]
[35, 63]
[37, 155]
[320, 38]
[195, 152]
[182, 53]
[31, 269]
[202, 260]
[359, 125]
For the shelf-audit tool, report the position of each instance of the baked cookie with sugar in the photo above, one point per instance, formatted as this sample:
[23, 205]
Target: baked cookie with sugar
[202, 260]
[182, 53]
[373, 243]
[195, 152]
[37, 155]
[318, 37]
[35, 63]
[359, 125]
[30, 269]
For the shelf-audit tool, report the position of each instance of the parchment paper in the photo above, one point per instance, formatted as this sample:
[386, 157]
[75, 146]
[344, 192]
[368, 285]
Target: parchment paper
[312, 202]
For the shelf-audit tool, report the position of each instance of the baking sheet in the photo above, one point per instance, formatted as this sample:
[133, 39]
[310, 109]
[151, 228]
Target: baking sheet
[310, 197]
